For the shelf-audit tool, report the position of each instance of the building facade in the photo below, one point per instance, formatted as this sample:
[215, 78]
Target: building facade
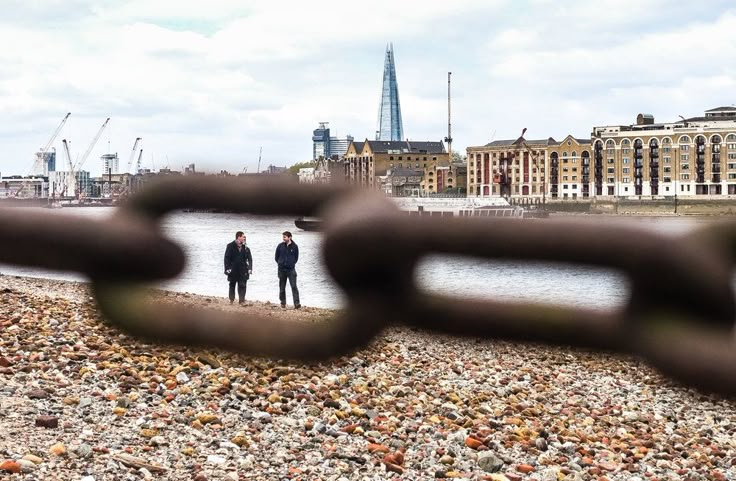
[691, 157]
[110, 164]
[370, 163]
[324, 146]
[509, 168]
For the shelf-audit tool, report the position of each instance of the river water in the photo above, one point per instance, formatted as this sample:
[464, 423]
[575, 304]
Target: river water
[205, 235]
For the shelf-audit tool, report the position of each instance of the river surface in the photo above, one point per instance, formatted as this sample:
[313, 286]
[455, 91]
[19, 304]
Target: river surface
[205, 235]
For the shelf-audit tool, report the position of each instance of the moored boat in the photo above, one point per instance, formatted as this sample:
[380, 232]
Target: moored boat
[308, 224]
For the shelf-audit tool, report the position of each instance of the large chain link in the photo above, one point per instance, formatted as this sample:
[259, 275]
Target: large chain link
[680, 313]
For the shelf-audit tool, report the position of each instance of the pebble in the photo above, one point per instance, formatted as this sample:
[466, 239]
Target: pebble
[489, 462]
[410, 404]
[216, 460]
[58, 449]
[50, 422]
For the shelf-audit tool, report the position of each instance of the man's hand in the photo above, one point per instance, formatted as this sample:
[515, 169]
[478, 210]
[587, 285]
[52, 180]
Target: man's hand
[228, 271]
[250, 273]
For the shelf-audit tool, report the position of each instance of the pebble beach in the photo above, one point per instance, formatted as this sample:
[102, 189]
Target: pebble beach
[81, 401]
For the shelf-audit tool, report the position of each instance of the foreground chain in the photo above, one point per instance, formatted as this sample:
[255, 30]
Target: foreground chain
[680, 314]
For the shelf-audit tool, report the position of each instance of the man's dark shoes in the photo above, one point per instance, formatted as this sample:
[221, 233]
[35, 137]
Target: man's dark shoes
[283, 306]
[232, 300]
[298, 306]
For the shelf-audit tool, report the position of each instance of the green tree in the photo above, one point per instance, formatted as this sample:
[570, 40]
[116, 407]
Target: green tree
[294, 169]
[458, 157]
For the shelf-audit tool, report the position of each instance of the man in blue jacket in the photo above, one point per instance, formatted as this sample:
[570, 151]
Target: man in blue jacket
[287, 255]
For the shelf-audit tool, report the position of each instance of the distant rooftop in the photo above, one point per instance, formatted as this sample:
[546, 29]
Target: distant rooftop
[406, 147]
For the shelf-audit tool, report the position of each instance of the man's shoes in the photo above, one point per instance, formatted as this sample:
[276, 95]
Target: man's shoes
[298, 306]
[283, 306]
[232, 300]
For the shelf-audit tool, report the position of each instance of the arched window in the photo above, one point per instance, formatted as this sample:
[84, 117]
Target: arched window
[684, 139]
[610, 144]
[564, 154]
[715, 139]
[574, 154]
[731, 138]
[666, 140]
[625, 143]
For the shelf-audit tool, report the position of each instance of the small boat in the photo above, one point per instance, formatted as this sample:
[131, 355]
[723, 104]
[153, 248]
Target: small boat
[309, 224]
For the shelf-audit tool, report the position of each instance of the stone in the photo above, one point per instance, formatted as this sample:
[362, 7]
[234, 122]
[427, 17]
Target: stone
[209, 418]
[27, 466]
[58, 449]
[82, 451]
[525, 468]
[473, 443]
[37, 394]
[209, 360]
[48, 422]
[447, 459]
[9, 466]
[216, 460]
[137, 463]
[33, 458]
[489, 462]
[378, 448]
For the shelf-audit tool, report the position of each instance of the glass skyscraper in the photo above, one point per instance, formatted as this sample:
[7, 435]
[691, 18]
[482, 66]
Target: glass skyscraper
[390, 126]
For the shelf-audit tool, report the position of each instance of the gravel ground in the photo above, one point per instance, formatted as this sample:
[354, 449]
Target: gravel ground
[80, 401]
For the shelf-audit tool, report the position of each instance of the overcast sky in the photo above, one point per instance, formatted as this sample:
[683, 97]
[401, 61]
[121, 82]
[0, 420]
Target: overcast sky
[212, 82]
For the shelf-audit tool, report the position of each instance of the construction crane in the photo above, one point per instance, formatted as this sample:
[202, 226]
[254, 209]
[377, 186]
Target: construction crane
[132, 153]
[138, 164]
[259, 161]
[69, 184]
[77, 166]
[41, 156]
[535, 157]
[46, 147]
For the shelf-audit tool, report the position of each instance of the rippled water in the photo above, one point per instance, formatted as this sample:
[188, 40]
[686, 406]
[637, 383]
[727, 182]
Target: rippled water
[204, 237]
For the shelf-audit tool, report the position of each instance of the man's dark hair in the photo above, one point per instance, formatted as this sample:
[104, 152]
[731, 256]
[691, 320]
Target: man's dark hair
[286, 233]
[239, 233]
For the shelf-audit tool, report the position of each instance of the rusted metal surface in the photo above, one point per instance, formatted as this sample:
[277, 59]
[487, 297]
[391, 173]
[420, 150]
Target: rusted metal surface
[680, 314]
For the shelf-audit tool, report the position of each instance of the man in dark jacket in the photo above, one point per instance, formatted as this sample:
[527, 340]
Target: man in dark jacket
[287, 255]
[238, 266]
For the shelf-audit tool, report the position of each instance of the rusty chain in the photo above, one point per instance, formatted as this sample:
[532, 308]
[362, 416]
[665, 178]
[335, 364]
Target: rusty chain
[680, 315]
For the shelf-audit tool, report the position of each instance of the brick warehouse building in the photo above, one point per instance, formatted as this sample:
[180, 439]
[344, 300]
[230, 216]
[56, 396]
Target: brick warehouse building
[645, 160]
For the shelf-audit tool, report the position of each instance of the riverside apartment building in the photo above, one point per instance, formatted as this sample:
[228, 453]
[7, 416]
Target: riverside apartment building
[645, 160]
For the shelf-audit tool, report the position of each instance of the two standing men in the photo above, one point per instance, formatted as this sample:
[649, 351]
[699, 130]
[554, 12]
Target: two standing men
[239, 267]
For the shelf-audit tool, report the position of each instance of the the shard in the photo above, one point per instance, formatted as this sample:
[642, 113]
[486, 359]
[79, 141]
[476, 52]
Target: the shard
[390, 126]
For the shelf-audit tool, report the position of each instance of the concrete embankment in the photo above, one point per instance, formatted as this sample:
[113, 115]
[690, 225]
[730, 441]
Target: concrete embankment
[701, 207]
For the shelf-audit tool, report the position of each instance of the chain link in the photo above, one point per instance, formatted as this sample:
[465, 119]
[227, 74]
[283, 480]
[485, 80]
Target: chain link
[680, 313]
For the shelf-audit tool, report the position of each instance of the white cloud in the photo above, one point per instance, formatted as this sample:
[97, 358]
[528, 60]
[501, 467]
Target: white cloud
[212, 81]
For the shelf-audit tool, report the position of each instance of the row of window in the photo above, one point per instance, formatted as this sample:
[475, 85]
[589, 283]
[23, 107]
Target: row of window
[408, 157]
[684, 139]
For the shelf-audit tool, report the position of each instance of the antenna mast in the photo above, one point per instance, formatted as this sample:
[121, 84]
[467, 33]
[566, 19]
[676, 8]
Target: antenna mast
[448, 139]
[259, 161]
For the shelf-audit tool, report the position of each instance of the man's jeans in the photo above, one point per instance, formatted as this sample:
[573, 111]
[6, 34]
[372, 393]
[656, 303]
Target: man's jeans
[242, 283]
[291, 276]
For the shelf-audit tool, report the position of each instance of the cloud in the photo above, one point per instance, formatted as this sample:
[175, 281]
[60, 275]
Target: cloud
[212, 81]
